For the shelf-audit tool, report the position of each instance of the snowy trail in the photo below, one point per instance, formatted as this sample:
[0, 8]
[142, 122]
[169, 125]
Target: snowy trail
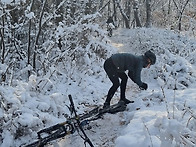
[143, 126]
[148, 121]
[104, 131]
[121, 41]
[161, 116]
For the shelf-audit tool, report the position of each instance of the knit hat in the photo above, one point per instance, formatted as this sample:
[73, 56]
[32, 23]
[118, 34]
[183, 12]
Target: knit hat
[150, 55]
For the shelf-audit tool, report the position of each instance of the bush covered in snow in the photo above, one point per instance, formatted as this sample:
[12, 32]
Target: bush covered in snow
[175, 55]
[74, 49]
[166, 115]
[71, 56]
[175, 75]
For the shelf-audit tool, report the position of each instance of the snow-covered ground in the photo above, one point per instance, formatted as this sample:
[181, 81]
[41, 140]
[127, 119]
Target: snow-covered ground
[163, 115]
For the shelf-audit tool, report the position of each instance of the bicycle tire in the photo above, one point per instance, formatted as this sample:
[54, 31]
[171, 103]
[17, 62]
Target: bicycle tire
[61, 132]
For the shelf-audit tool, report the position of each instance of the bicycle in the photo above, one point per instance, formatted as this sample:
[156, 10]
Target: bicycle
[75, 123]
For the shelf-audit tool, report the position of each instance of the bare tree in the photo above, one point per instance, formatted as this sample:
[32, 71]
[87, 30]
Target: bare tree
[148, 13]
[37, 37]
[29, 39]
[136, 15]
[2, 38]
[122, 13]
[101, 4]
[180, 10]
[89, 9]
[2, 45]
[114, 9]
[59, 11]
[128, 9]
[169, 7]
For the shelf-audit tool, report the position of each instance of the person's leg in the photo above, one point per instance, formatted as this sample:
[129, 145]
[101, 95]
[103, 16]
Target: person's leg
[113, 89]
[112, 73]
[123, 85]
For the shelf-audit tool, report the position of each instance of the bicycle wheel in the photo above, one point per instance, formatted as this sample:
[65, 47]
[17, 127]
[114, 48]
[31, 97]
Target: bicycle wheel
[60, 132]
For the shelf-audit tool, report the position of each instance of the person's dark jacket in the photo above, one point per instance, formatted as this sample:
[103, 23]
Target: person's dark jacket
[132, 63]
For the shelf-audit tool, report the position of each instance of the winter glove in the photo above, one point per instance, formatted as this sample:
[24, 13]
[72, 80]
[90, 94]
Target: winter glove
[144, 86]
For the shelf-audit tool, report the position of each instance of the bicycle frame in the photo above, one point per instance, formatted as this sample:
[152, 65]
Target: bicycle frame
[63, 129]
[75, 123]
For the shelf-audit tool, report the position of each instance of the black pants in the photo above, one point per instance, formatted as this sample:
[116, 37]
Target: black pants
[114, 76]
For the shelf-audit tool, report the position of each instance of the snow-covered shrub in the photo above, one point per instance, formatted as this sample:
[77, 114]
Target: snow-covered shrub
[78, 59]
[81, 48]
[174, 73]
[176, 132]
[23, 112]
[175, 68]
[175, 55]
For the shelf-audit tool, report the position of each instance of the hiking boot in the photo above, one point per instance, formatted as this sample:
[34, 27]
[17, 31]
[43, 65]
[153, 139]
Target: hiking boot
[106, 105]
[121, 103]
[126, 101]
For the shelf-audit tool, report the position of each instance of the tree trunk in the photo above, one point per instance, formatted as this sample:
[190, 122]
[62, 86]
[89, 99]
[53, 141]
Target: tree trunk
[128, 6]
[123, 14]
[148, 14]
[88, 8]
[180, 23]
[109, 10]
[29, 41]
[2, 38]
[59, 11]
[114, 9]
[101, 4]
[136, 15]
[180, 12]
[37, 37]
[3, 75]
[169, 7]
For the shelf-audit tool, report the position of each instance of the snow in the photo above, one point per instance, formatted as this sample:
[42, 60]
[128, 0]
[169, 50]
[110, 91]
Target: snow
[163, 115]
[6, 1]
[10, 1]
[29, 15]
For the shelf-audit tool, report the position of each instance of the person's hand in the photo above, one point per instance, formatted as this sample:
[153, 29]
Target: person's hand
[144, 86]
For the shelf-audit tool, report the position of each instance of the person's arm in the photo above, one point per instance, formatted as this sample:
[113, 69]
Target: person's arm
[136, 78]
